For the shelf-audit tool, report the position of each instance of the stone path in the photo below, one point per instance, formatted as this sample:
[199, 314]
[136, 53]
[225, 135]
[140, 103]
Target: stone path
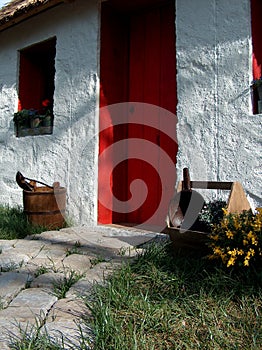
[35, 271]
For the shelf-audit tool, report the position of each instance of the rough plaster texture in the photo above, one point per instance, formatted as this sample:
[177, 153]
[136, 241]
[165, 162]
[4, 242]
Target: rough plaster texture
[70, 154]
[218, 137]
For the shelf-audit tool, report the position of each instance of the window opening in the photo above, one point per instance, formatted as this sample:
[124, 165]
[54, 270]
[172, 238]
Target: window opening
[36, 89]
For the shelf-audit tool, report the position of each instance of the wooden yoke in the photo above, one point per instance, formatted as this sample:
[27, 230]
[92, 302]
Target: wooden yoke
[237, 200]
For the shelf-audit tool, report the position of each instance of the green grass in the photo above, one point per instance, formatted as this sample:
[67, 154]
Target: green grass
[177, 302]
[33, 337]
[14, 224]
[62, 286]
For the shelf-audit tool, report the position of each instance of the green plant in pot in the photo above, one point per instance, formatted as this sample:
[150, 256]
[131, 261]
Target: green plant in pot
[23, 118]
[31, 118]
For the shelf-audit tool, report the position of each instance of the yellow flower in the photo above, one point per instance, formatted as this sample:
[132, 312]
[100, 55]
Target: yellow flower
[229, 234]
[250, 235]
[245, 242]
[232, 252]
[231, 261]
[217, 251]
[252, 252]
[215, 237]
[225, 212]
[246, 262]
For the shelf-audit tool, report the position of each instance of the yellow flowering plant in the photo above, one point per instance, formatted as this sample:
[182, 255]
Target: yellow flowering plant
[237, 239]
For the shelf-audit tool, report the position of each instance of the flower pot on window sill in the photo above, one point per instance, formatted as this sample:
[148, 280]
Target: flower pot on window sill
[22, 131]
[35, 122]
[47, 121]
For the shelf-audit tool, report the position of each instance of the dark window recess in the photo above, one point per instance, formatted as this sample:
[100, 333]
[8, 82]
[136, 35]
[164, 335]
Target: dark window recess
[36, 88]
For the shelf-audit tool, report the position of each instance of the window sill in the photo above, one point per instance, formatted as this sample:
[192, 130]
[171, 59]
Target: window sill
[41, 130]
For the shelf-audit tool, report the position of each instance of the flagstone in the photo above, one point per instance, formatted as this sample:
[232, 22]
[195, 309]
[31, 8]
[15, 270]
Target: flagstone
[28, 298]
[67, 309]
[77, 262]
[34, 298]
[11, 260]
[47, 280]
[11, 283]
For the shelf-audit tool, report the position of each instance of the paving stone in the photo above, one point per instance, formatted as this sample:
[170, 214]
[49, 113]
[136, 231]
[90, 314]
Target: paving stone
[103, 249]
[11, 283]
[29, 248]
[67, 309]
[4, 345]
[95, 275]
[35, 299]
[23, 316]
[46, 281]
[11, 260]
[82, 288]
[7, 244]
[55, 265]
[9, 330]
[77, 262]
[68, 333]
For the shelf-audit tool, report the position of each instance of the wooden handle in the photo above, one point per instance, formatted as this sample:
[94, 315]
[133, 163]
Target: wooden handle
[186, 180]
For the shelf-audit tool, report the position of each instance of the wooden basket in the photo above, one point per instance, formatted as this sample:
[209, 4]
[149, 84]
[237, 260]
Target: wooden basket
[196, 240]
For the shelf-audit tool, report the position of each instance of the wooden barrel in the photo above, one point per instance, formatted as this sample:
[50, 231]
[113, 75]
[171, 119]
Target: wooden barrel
[45, 206]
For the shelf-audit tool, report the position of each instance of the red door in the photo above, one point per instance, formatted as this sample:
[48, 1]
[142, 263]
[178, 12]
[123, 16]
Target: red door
[144, 66]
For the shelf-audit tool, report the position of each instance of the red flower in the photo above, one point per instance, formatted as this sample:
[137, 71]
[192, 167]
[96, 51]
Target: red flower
[45, 103]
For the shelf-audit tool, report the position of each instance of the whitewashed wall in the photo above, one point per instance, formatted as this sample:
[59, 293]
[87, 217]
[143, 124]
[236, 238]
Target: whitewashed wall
[69, 155]
[219, 137]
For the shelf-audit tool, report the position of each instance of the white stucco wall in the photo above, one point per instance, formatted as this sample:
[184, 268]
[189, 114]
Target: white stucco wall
[70, 154]
[219, 138]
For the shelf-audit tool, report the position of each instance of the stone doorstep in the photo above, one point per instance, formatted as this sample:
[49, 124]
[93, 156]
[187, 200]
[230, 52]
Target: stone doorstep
[56, 237]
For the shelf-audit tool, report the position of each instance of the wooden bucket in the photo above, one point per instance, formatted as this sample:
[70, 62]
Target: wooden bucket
[45, 206]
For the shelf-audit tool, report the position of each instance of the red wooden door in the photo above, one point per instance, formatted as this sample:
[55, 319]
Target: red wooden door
[152, 80]
[150, 71]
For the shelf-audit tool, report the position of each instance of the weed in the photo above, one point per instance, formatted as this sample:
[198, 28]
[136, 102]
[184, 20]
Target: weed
[14, 224]
[74, 250]
[41, 270]
[53, 268]
[97, 260]
[32, 337]
[62, 286]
